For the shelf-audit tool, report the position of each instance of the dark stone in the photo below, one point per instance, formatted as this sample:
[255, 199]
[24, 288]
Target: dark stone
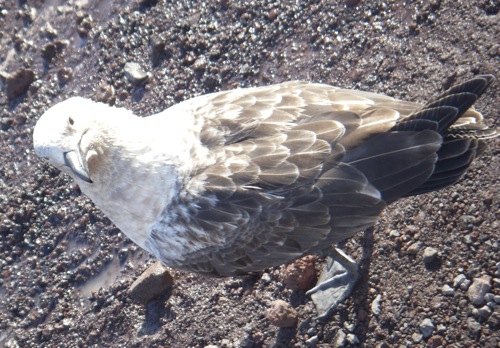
[18, 82]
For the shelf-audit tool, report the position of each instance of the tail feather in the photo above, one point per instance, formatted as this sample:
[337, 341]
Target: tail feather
[460, 101]
[461, 144]
[426, 151]
[477, 85]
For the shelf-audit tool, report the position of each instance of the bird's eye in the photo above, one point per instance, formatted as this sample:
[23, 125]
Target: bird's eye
[71, 121]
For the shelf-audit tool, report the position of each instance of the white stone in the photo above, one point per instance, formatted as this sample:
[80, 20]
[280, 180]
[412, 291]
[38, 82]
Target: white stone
[447, 290]
[426, 327]
[376, 305]
[459, 279]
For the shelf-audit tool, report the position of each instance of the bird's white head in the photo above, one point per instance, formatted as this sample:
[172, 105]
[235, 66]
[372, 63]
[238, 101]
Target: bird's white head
[118, 160]
[64, 135]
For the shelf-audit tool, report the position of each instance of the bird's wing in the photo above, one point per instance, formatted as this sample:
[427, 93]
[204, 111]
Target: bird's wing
[298, 166]
[278, 185]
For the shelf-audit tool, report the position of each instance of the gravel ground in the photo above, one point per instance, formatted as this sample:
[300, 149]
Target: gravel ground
[430, 268]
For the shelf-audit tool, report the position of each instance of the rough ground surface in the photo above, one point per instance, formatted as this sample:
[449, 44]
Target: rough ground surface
[65, 270]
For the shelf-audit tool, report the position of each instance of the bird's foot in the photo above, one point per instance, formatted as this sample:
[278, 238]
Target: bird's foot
[335, 283]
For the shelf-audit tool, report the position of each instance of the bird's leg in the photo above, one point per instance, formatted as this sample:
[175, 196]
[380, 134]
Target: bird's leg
[335, 283]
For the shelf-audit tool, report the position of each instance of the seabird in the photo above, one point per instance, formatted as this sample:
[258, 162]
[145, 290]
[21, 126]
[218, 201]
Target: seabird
[240, 181]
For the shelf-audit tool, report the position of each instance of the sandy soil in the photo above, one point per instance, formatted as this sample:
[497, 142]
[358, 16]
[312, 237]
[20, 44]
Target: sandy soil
[65, 269]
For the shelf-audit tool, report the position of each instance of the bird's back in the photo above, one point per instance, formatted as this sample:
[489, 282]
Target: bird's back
[296, 167]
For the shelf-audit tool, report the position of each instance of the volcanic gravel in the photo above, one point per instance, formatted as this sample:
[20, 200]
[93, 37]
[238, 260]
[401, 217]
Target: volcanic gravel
[430, 269]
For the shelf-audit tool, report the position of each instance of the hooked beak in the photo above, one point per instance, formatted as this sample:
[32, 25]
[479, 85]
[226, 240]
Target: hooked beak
[73, 160]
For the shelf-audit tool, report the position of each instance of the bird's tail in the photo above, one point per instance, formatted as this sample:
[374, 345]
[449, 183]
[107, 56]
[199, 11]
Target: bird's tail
[462, 128]
[429, 149]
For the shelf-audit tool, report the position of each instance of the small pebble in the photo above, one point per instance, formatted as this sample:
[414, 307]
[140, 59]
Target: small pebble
[312, 342]
[266, 278]
[467, 219]
[340, 339]
[426, 327]
[312, 331]
[281, 314]
[375, 307]
[494, 320]
[106, 94]
[300, 274]
[473, 326]
[350, 327]
[447, 290]
[49, 30]
[479, 288]
[435, 342]
[248, 328]
[441, 328]
[151, 284]
[417, 337]
[458, 280]
[414, 248]
[468, 239]
[200, 64]
[135, 74]
[157, 50]
[430, 255]
[68, 322]
[352, 339]
[394, 233]
[64, 75]
[482, 313]
[489, 297]
[465, 284]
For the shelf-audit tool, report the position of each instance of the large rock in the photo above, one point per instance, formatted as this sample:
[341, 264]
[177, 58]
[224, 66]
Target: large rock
[153, 283]
[301, 274]
[281, 314]
[18, 82]
[479, 287]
